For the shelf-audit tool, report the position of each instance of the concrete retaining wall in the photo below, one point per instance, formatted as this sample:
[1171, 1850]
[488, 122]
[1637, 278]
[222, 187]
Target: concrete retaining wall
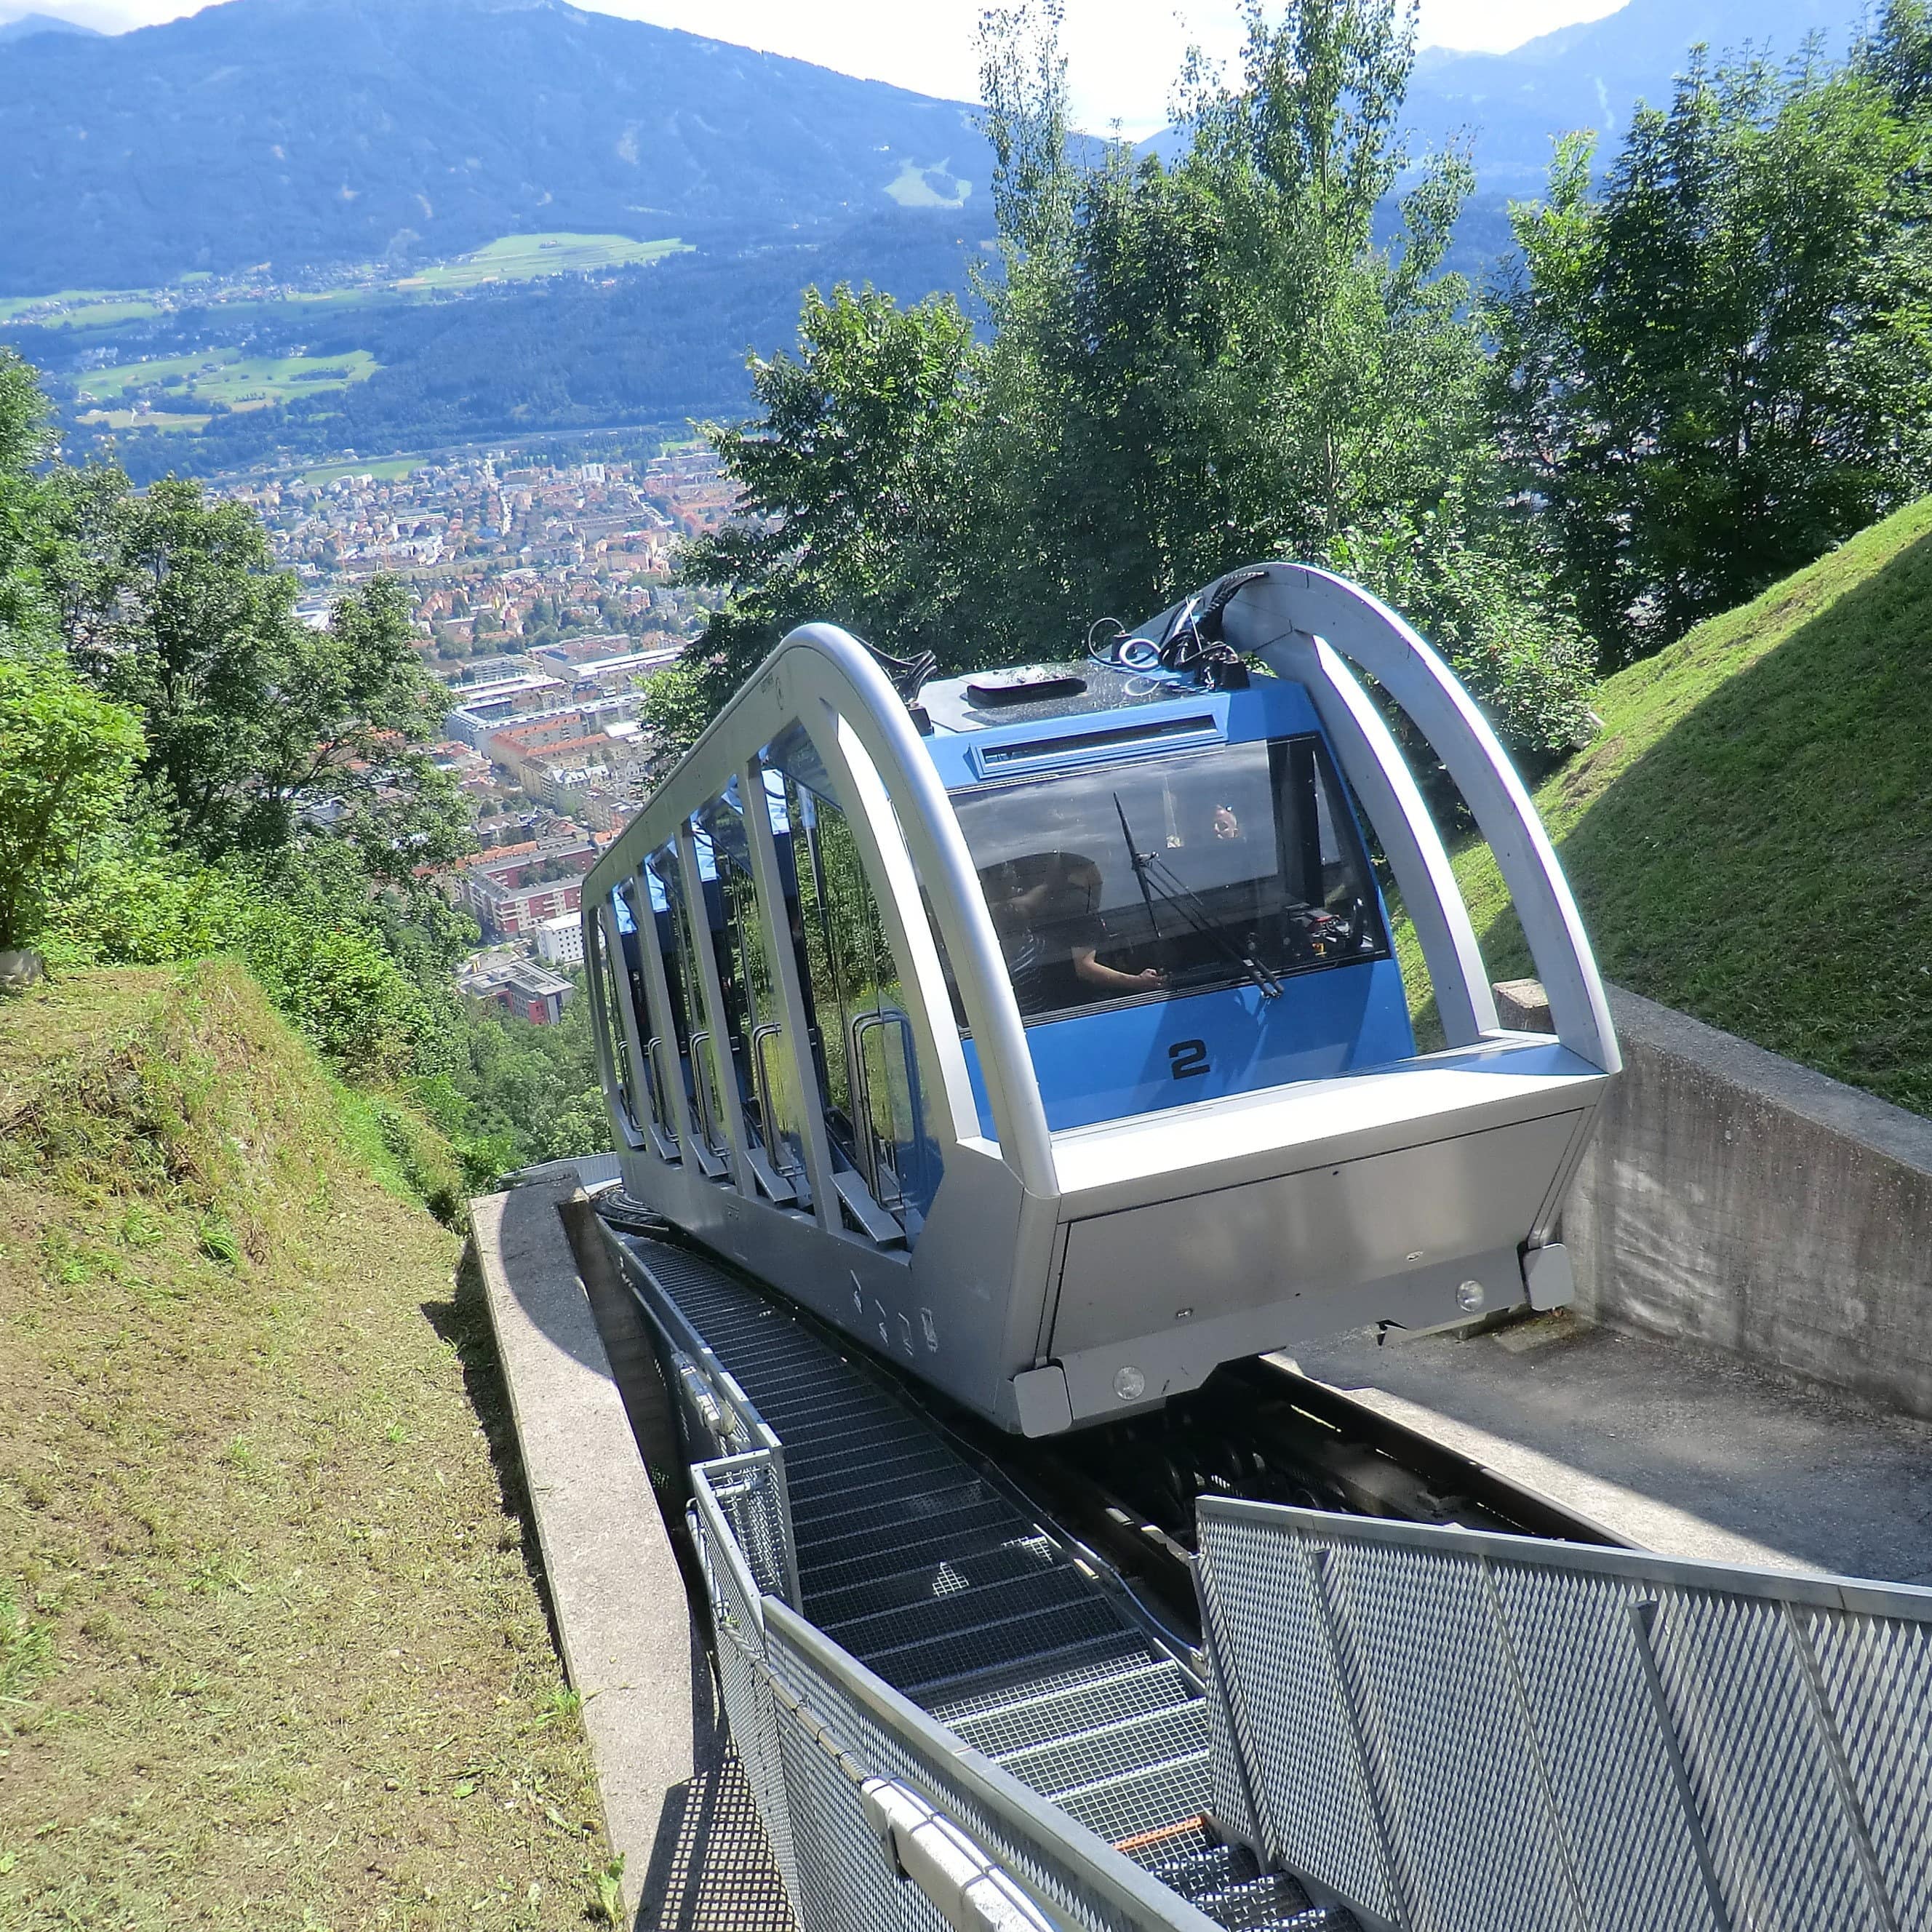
[1746, 1202]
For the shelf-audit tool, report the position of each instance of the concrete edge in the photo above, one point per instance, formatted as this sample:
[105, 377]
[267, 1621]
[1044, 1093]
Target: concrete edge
[616, 1589]
[1894, 1131]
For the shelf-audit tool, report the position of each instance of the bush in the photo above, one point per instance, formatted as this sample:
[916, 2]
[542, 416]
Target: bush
[67, 758]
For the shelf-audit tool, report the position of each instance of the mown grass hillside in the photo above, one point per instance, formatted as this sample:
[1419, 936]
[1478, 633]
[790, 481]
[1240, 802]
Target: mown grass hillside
[272, 1652]
[1750, 838]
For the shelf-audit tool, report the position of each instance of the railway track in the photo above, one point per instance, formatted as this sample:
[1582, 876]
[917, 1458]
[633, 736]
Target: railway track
[1125, 1491]
[1037, 1598]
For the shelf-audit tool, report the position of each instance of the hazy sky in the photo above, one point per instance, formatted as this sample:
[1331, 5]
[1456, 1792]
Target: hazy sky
[1122, 54]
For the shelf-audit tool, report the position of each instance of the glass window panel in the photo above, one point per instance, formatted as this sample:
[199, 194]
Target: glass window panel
[1172, 874]
[631, 936]
[615, 1038]
[681, 975]
[874, 1091]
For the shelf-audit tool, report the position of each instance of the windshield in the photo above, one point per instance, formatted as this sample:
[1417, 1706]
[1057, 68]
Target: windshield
[1240, 865]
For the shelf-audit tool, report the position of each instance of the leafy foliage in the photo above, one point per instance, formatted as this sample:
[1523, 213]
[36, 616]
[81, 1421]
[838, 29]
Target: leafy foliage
[1720, 366]
[163, 719]
[855, 469]
[168, 602]
[1186, 368]
[66, 758]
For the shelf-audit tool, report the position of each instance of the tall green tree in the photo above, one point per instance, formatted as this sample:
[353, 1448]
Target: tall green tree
[1718, 366]
[1182, 370]
[853, 474]
[168, 601]
[24, 443]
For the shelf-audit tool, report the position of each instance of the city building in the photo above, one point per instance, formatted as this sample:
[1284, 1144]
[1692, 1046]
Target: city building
[518, 984]
[560, 940]
[511, 891]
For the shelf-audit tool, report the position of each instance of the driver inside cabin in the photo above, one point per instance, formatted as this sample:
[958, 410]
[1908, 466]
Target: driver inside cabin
[1046, 910]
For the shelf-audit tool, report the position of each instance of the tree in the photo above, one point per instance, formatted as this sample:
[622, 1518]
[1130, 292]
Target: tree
[1719, 366]
[853, 473]
[349, 708]
[1185, 369]
[66, 760]
[23, 444]
[1197, 367]
[169, 602]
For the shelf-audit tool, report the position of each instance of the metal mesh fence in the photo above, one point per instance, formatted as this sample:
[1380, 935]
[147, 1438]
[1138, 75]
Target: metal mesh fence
[737, 1621]
[1474, 1733]
[810, 1723]
[747, 1492]
[718, 1423]
[1080, 1880]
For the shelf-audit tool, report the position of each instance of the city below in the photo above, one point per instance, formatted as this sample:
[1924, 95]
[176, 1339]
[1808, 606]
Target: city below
[543, 598]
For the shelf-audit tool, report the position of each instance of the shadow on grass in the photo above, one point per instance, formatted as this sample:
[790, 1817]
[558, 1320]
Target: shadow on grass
[463, 1322]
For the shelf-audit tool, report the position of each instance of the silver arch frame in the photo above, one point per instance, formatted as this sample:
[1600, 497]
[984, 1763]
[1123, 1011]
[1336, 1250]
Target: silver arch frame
[974, 1301]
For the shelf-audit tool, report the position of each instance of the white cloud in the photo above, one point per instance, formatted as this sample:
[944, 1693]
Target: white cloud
[1122, 55]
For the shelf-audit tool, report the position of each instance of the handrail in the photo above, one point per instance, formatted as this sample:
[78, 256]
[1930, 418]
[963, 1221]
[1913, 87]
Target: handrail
[681, 1336]
[707, 1124]
[663, 1139]
[704, 1494]
[1114, 1881]
[1858, 1595]
[761, 1084]
[863, 1027]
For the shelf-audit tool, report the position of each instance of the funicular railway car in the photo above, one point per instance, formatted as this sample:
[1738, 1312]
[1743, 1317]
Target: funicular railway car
[1042, 1030]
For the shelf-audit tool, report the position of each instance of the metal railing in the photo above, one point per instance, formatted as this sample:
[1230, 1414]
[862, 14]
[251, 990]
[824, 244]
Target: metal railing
[718, 1419]
[878, 1815]
[1468, 1732]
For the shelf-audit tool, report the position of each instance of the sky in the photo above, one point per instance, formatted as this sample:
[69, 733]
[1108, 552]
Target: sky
[1122, 55]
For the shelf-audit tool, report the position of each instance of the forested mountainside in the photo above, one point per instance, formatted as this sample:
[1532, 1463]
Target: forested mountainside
[309, 132]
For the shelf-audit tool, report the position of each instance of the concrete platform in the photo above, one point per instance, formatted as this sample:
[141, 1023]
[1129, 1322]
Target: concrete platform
[675, 1804]
[1680, 1448]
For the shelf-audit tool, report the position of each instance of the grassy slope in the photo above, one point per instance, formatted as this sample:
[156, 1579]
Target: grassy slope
[1751, 837]
[272, 1651]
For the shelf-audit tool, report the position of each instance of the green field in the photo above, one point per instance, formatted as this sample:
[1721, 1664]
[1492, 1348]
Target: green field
[527, 258]
[220, 376]
[164, 419]
[385, 472]
[510, 258]
[1749, 836]
[82, 308]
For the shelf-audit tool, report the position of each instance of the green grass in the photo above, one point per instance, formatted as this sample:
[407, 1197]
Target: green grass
[82, 308]
[386, 471]
[165, 420]
[272, 1647]
[220, 376]
[1750, 837]
[525, 258]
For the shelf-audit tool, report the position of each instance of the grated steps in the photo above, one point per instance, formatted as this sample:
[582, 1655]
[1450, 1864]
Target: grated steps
[935, 1579]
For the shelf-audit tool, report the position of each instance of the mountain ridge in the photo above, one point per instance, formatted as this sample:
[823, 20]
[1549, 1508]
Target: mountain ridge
[22, 26]
[1591, 74]
[308, 133]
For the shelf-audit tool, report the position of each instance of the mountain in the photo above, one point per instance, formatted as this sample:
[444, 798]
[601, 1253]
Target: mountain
[1592, 76]
[305, 132]
[643, 346]
[25, 25]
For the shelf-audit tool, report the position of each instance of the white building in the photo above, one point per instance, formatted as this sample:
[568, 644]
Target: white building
[560, 940]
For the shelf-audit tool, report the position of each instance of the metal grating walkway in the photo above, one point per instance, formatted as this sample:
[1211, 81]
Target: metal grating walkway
[937, 1580]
